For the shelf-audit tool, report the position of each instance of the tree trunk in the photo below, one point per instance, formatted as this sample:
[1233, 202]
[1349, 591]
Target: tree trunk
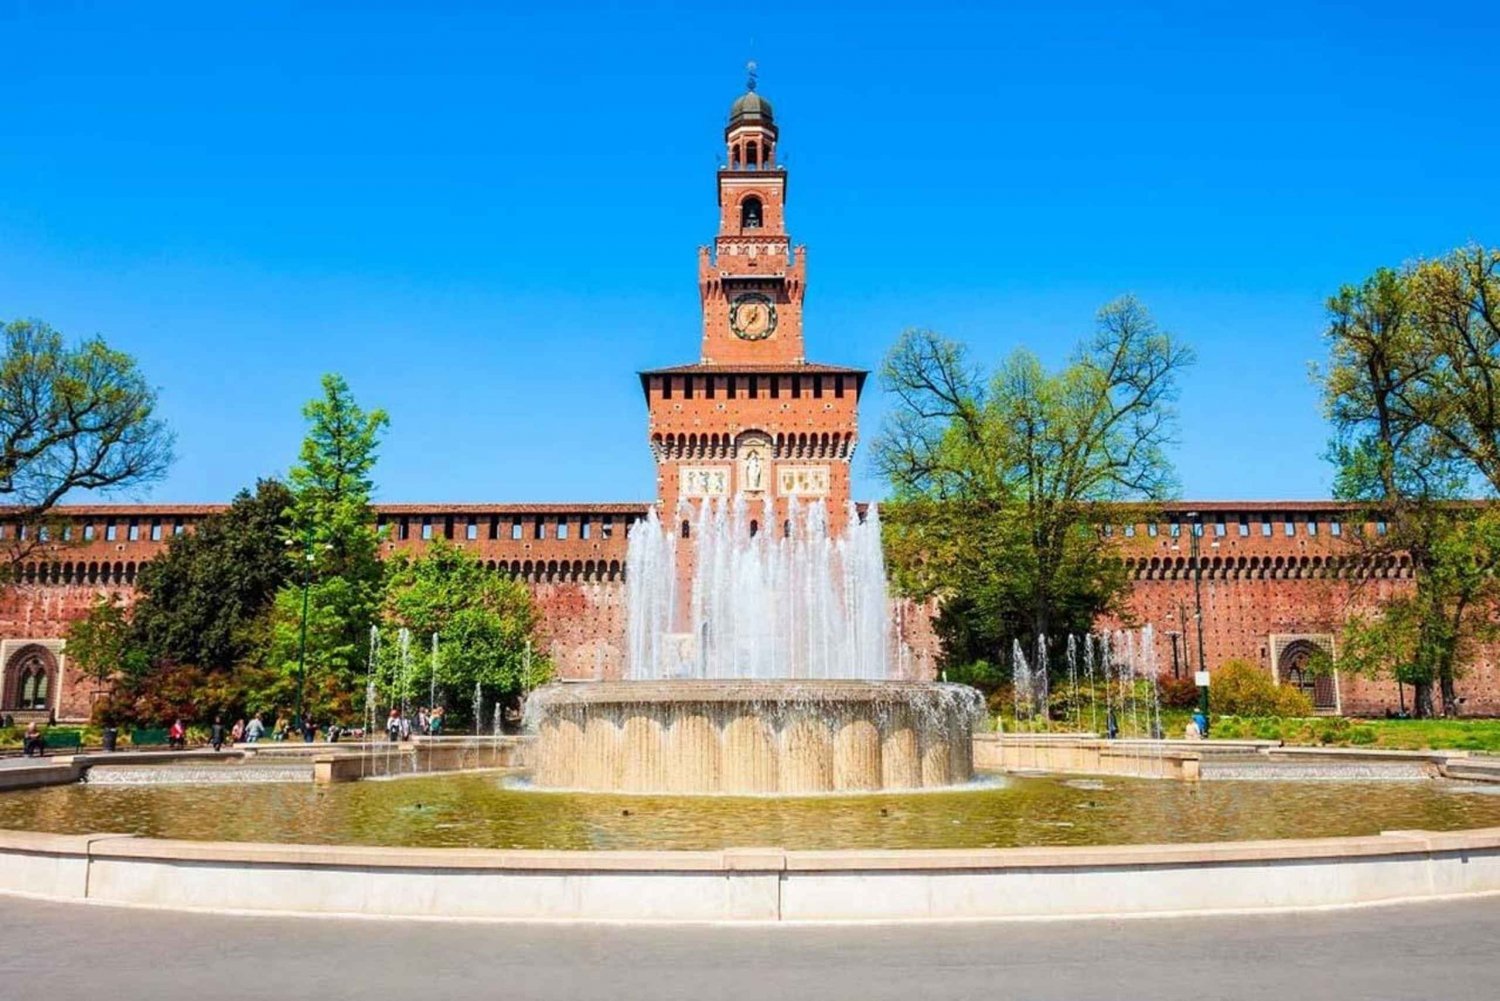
[1421, 702]
[1450, 693]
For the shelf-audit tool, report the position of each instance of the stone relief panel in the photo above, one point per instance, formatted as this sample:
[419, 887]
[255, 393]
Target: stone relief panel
[703, 481]
[802, 481]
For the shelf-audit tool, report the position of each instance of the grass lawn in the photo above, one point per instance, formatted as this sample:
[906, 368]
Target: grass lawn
[1397, 734]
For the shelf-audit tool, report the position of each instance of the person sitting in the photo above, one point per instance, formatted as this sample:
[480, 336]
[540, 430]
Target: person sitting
[177, 736]
[32, 742]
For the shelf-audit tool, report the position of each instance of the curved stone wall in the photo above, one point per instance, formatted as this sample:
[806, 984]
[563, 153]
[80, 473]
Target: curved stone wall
[748, 737]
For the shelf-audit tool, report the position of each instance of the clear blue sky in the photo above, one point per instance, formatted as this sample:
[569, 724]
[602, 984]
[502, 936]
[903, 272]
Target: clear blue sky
[487, 217]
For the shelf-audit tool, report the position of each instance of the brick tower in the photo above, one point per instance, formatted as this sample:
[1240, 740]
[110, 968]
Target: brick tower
[752, 416]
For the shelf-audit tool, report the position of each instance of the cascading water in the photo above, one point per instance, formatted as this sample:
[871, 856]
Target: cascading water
[761, 604]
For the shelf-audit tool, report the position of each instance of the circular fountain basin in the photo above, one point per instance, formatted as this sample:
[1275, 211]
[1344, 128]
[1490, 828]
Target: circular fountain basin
[745, 737]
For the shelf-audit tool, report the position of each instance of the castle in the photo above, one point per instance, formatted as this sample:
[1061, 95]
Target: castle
[1274, 580]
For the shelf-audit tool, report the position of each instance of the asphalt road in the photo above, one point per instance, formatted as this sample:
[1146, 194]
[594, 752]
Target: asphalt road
[1448, 951]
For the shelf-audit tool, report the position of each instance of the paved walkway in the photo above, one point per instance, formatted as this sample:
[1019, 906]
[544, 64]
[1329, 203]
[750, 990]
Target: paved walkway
[1445, 950]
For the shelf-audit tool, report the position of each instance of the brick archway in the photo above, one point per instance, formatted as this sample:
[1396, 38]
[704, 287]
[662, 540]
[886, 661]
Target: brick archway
[30, 680]
[1292, 668]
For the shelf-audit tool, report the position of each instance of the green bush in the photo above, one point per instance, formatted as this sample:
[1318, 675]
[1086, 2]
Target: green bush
[1241, 688]
[1362, 735]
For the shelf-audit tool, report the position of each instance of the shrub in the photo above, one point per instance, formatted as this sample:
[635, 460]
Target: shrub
[1178, 693]
[1362, 735]
[1241, 688]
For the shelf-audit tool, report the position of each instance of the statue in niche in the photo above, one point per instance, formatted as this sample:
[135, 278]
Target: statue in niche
[753, 470]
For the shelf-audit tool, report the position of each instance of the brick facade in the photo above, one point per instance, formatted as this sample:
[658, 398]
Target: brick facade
[753, 416]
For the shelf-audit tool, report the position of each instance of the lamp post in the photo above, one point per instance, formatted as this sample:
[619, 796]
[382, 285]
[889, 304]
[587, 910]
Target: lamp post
[1195, 530]
[307, 562]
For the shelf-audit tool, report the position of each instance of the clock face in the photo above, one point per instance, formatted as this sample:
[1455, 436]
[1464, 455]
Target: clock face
[752, 316]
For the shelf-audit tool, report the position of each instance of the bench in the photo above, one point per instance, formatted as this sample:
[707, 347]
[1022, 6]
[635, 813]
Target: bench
[54, 740]
[148, 737]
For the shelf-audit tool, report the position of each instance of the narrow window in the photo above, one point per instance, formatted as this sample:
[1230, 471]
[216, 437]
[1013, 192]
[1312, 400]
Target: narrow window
[708, 387]
[1335, 528]
[1198, 528]
[539, 529]
[607, 527]
[177, 527]
[471, 530]
[733, 383]
[68, 532]
[1130, 530]
[1265, 526]
[585, 529]
[403, 529]
[515, 530]
[796, 387]
[775, 387]
[754, 528]
[755, 387]
[786, 529]
[838, 387]
[687, 387]
[1291, 526]
[43, 533]
[666, 388]
[1380, 527]
[562, 527]
[1151, 529]
[426, 528]
[155, 531]
[817, 387]
[448, 526]
[135, 530]
[1244, 525]
[1174, 528]
[1109, 531]
[494, 526]
[686, 529]
[1219, 527]
[88, 532]
[1312, 524]
[110, 531]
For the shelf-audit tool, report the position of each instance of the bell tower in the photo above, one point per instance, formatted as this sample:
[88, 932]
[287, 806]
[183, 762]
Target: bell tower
[752, 418]
[751, 280]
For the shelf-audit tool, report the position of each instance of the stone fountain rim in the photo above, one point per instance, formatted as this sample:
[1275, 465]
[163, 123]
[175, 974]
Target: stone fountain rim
[760, 692]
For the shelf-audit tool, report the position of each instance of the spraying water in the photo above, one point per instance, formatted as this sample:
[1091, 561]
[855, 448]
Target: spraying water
[796, 603]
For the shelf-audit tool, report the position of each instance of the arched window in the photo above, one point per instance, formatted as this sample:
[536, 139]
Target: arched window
[734, 157]
[687, 529]
[752, 159]
[750, 213]
[33, 687]
[786, 529]
[754, 528]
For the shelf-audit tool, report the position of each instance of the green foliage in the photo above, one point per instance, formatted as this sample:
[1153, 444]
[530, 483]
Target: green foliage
[997, 480]
[102, 645]
[1414, 355]
[205, 600]
[334, 540]
[1240, 688]
[485, 623]
[72, 418]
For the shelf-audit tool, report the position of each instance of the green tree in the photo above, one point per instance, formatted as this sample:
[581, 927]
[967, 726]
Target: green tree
[1000, 483]
[101, 645]
[1409, 390]
[71, 418]
[334, 539]
[485, 622]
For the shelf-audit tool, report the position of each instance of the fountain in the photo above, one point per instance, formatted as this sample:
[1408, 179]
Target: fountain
[766, 671]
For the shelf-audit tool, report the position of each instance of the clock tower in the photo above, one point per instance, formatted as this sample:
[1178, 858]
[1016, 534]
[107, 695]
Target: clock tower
[753, 418]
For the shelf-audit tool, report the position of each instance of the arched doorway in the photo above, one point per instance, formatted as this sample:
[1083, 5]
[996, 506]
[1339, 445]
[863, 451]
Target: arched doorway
[30, 680]
[1294, 667]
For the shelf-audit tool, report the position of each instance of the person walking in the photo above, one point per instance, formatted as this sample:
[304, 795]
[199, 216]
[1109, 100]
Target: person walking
[393, 726]
[237, 732]
[216, 733]
[309, 730]
[254, 730]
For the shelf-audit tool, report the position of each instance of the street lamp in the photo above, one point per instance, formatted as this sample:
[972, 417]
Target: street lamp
[308, 556]
[1195, 532]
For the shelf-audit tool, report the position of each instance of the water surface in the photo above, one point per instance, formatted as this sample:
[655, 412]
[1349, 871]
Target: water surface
[487, 810]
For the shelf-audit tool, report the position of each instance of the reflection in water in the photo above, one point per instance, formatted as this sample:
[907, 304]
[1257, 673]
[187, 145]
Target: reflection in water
[486, 810]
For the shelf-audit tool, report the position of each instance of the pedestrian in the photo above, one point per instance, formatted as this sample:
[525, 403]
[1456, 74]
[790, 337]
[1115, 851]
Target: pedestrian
[1202, 722]
[177, 736]
[435, 723]
[216, 733]
[32, 741]
[1111, 725]
[405, 722]
[424, 721]
[309, 730]
[393, 725]
[254, 730]
[237, 732]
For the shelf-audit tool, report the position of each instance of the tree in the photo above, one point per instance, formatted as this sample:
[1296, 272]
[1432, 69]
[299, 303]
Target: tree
[1410, 391]
[486, 624]
[1000, 484]
[334, 538]
[195, 639]
[205, 599]
[101, 645]
[72, 418]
